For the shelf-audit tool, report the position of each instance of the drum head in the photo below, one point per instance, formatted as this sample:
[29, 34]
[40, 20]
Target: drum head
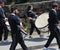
[42, 20]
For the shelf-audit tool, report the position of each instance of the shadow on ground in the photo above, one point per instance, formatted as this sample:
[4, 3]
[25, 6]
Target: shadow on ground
[36, 39]
[5, 43]
[40, 47]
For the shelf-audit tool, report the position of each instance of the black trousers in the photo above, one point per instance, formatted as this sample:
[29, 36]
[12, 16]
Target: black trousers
[17, 38]
[3, 29]
[33, 27]
[54, 34]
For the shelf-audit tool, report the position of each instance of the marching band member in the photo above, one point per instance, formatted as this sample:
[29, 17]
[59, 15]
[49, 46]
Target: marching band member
[14, 22]
[32, 17]
[53, 22]
[3, 26]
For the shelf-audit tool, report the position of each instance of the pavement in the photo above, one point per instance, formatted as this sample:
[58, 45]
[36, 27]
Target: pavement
[34, 43]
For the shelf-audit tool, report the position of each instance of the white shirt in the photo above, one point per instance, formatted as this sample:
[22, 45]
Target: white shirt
[54, 10]
[12, 14]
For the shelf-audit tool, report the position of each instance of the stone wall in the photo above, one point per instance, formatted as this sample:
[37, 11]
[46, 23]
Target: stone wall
[38, 6]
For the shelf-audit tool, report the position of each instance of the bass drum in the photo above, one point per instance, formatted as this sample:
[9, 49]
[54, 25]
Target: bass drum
[42, 22]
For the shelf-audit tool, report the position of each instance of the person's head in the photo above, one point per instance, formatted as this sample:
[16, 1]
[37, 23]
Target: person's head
[55, 6]
[1, 3]
[30, 7]
[14, 10]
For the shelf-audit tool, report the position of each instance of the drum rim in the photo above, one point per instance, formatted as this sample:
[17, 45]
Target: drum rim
[43, 27]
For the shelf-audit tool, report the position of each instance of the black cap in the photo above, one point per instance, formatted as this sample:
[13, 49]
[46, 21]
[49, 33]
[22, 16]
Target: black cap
[13, 8]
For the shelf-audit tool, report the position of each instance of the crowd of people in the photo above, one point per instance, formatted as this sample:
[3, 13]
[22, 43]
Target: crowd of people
[16, 27]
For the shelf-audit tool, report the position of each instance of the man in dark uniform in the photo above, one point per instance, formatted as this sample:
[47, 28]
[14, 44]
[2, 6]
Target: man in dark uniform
[53, 22]
[32, 17]
[3, 26]
[14, 22]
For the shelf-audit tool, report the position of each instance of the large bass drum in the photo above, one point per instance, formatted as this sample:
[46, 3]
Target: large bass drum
[42, 22]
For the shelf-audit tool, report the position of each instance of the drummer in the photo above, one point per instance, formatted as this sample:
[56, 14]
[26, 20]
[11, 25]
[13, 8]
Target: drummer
[32, 17]
[53, 23]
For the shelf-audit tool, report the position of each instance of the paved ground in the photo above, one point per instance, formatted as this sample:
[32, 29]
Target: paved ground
[36, 43]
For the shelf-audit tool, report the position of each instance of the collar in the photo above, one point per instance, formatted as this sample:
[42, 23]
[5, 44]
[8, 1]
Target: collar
[54, 10]
[12, 14]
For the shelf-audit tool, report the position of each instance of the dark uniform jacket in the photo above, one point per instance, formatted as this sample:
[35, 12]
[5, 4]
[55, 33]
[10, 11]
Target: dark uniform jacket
[2, 16]
[14, 23]
[31, 14]
[53, 19]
